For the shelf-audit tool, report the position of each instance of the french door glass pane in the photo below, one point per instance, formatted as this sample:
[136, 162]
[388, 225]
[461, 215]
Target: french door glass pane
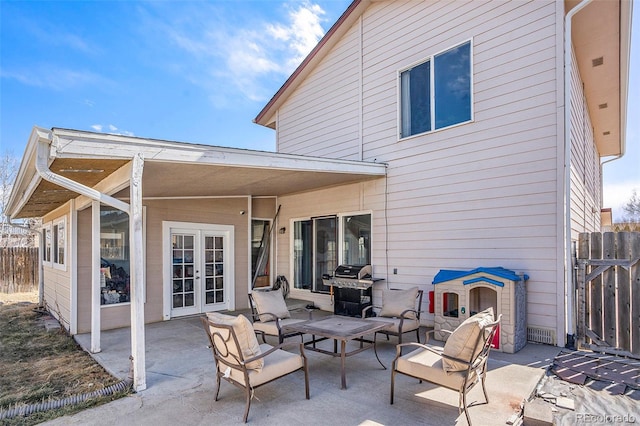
[213, 269]
[183, 270]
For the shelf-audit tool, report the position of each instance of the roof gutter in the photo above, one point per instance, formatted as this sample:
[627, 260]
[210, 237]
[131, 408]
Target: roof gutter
[42, 167]
[568, 267]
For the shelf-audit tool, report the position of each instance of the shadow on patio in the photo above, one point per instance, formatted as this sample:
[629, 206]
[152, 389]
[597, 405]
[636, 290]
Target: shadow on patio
[181, 381]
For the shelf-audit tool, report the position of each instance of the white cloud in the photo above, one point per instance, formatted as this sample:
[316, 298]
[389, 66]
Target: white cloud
[97, 127]
[232, 59]
[301, 33]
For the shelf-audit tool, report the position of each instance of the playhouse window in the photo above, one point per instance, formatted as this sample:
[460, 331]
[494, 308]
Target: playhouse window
[450, 305]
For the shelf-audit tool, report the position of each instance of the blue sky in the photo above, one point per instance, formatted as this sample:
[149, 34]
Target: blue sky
[192, 71]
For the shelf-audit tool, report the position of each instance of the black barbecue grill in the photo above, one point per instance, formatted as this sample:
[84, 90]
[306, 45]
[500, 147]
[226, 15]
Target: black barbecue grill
[351, 289]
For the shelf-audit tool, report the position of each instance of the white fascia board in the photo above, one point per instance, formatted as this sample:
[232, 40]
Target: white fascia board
[27, 178]
[74, 144]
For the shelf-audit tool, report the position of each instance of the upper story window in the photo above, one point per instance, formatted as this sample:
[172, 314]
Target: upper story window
[437, 92]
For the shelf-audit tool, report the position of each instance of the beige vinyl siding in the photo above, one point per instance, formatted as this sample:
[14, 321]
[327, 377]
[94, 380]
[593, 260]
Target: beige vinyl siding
[224, 211]
[57, 281]
[321, 117]
[585, 165]
[361, 197]
[264, 208]
[483, 193]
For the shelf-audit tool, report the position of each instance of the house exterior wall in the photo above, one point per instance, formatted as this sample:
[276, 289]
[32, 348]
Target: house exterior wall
[484, 193]
[585, 163]
[366, 197]
[57, 278]
[224, 211]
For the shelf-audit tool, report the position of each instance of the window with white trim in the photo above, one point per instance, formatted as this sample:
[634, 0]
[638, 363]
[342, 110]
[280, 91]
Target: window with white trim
[436, 93]
[59, 242]
[319, 243]
[46, 255]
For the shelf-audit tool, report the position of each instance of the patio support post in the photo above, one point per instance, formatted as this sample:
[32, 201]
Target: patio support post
[137, 276]
[95, 276]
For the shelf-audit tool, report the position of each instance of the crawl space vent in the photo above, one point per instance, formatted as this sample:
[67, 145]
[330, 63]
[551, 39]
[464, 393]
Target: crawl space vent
[541, 335]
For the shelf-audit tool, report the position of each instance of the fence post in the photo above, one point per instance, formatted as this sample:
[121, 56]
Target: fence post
[634, 277]
[582, 257]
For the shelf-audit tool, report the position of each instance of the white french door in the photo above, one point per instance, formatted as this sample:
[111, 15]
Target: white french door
[199, 268]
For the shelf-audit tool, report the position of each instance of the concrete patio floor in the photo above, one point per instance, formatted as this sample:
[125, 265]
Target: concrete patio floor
[181, 382]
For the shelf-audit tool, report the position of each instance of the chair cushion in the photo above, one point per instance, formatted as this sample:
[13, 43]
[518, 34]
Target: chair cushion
[244, 333]
[270, 328]
[271, 302]
[394, 302]
[463, 342]
[428, 366]
[276, 364]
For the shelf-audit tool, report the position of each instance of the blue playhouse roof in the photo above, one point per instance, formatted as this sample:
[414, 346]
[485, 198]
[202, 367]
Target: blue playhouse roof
[448, 275]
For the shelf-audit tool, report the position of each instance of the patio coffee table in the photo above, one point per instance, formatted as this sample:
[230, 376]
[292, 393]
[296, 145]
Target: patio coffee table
[340, 328]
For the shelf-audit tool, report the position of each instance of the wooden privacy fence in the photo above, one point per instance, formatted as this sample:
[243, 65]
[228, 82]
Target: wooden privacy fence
[608, 292]
[19, 268]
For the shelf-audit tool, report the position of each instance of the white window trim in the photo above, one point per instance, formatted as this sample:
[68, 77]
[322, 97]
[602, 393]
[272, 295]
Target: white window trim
[48, 229]
[430, 58]
[54, 236]
[339, 218]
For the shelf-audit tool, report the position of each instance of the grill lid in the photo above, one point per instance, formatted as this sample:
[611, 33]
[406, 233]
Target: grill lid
[353, 272]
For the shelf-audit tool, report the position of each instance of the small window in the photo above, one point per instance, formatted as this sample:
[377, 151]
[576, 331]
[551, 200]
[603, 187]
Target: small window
[450, 305]
[46, 255]
[437, 92]
[59, 242]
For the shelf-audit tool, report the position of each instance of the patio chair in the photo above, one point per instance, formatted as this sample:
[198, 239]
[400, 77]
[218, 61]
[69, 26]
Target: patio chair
[459, 365]
[400, 308]
[270, 314]
[241, 361]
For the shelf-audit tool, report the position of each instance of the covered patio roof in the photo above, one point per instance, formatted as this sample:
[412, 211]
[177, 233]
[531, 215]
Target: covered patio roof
[171, 169]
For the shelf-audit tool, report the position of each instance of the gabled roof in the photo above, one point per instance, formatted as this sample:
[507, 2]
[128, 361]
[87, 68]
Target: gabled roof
[601, 30]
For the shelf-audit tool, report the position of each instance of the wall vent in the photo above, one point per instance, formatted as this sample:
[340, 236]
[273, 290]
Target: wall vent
[597, 61]
[541, 335]
[603, 106]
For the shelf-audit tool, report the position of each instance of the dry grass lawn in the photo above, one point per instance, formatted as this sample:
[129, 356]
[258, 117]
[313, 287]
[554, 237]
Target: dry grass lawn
[38, 365]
